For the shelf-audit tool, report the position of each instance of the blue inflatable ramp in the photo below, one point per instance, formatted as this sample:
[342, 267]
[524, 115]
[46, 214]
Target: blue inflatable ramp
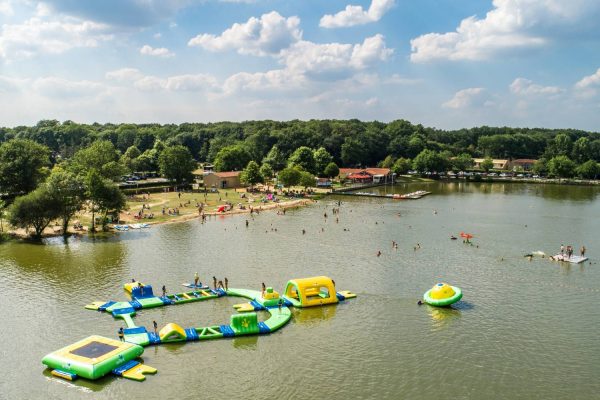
[132, 331]
[166, 301]
[104, 306]
[142, 292]
[122, 368]
[126, 310]
[227, 331]
[257, 306]
[263, 328]
[153, 338]
[135, 304]
[191, 334]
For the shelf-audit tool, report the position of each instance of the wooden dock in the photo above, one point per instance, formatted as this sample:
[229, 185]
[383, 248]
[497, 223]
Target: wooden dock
[407, 196]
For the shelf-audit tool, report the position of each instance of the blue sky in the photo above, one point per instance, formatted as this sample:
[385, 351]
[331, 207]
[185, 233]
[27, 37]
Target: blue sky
[442, 63]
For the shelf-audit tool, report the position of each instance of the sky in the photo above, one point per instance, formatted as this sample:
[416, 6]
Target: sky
[442, 63]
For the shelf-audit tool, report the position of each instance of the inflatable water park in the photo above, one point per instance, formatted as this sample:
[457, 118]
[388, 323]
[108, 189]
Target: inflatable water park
[97, 356]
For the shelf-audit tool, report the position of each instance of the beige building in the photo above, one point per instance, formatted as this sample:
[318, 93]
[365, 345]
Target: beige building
[498, 163]
[223, 180]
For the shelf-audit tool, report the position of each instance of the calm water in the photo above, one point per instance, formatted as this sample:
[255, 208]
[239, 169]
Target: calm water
[525, 330]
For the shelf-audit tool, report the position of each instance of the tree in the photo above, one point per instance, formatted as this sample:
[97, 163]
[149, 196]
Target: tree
[104, 196]
[176, 163]
[540, 167]
[463, 162]
[100, 156]
[589, 170]
[23, 164]
[582, 150]
[232, 158]
[67, 190]
[304, 158]
[487, 164]
[146, 162]
[266, 171]
[251, 174]
[388, 162]
[562, 145]
[402, 166]
[2, 211]
[130, 157]
[322, 159]
[289, 176]
[353, 152]
[307, 179]
[331, 170]
[429, 161]
[275, 159]
[35, 209]
[561, 166]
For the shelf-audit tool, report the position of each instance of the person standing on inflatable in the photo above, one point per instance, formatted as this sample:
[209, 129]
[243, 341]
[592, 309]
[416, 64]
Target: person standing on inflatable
[196, 279]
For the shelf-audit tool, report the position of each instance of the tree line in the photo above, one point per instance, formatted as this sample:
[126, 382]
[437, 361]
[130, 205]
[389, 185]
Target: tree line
[60, 167]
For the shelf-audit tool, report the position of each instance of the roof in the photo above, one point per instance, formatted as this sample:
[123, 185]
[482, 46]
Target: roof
[524, 161]
[227, 174]
[370, 171]
[360, 175]
[495, 160]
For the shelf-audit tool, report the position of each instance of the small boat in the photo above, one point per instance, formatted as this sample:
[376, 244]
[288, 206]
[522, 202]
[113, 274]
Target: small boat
[121, 227]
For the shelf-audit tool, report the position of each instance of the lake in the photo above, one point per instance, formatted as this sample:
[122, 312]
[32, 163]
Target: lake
[524, 329]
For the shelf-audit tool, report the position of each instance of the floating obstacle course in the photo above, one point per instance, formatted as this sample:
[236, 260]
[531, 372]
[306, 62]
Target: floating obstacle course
[118, 358]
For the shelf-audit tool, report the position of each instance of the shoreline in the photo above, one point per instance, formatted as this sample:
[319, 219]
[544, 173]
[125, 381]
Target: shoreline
[50, 232]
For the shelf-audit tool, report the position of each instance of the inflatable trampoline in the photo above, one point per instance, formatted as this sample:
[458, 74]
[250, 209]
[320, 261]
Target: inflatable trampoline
[442, 295]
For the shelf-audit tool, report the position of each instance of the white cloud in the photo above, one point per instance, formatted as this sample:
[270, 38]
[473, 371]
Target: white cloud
[176, 83]
[372, 102]
[314, 58]
[468, 98]
[589, 81]
[525, 87]
[275, 80]
[64, 88]
[156, 52]
[356, 15]
[6, 8]
[9, 84]
[191, 82]
[512, 24]
[38, 35]
[265, 36]
[124, 75]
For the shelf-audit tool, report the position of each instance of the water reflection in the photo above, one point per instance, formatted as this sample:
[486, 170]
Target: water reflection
[314, 314]
[547, 191]
[73, 262]
[246, 342]
[442, 317]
